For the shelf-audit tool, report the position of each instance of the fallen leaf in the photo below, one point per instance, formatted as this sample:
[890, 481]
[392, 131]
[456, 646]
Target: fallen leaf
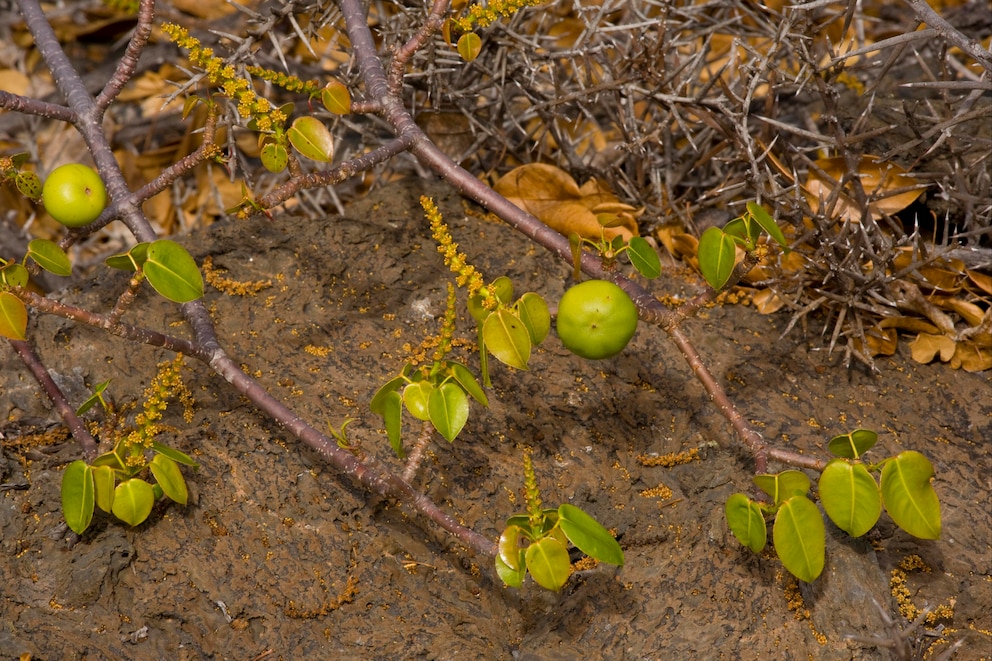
[553, 196]
[767, 301]
[888, 187]
[926, 346]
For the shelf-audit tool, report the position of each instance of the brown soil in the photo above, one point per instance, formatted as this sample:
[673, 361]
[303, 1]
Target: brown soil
[278, 557]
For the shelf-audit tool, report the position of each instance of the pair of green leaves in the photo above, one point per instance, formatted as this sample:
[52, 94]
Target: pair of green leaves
[850, 497]
[853, 499]
[13, 312]
[440, 397]
[110, 485]
[717, 250]
[542, 549]
[798, 532]
[511, 330]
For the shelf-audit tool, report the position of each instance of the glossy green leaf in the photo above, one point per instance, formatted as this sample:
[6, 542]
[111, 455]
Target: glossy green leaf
[717, 257]
[133, 501]
[336, 97]
[507, 338]
[513, 578]
[909, 496]
[416, 397]
[767, 223]
[533, 312]
[131, 260]
[854, 444]
[172, 272]
[589, 536]
[783, 485]
[800, 538]
[104, 479]
[644, 257]
[510, 551]
[747, 522]
[467, 381]
[448, 407]
[175, 455]
[469, 46]
[170, 478]
[13, 317]
[49, 256]
[850, 497]
[388, 403]
[548, 563]
[14, 275]
[312, 139]
[77, 496]
[274, 157]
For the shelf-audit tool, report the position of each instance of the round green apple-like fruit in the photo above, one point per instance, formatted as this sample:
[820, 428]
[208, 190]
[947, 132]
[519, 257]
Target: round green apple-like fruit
[596, 319]
[74, 195]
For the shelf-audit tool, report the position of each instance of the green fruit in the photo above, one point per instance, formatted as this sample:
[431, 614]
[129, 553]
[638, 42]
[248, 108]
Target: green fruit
[74, 195]
[596, 319]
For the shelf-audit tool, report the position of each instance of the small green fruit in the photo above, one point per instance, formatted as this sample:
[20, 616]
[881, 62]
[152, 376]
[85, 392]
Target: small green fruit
[596, 319]
[74, 195]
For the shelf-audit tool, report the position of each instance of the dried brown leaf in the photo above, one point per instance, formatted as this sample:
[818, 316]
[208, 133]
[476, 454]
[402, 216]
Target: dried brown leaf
[553, 196]
[767, 301]
[884, 183]
[927, 345]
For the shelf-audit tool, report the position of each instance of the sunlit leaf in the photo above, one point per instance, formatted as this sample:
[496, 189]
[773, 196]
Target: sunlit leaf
[746, 521]
[77, 496]
[311, 138]
[548, 563]
[336, 97]
[469, 384]
[800, 538]
[469, 46]
[388, 403]
[274, 157]
[133, 501]
[781, 486]
[13, 317]
[93, 399]
[853, 444]
[534, 314]
[175, 455]
[14, 275]
[507, 338]
[767, 301]
[28, 184]
[909, 496]
[927, 346]
[589, 536]
[510, 551]
[132, 260]
[170, 478]
[850, 497]
[170, 269]
[448, 408]
[416, 396]
[49, 256]
[513, 578]
[104, 479]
